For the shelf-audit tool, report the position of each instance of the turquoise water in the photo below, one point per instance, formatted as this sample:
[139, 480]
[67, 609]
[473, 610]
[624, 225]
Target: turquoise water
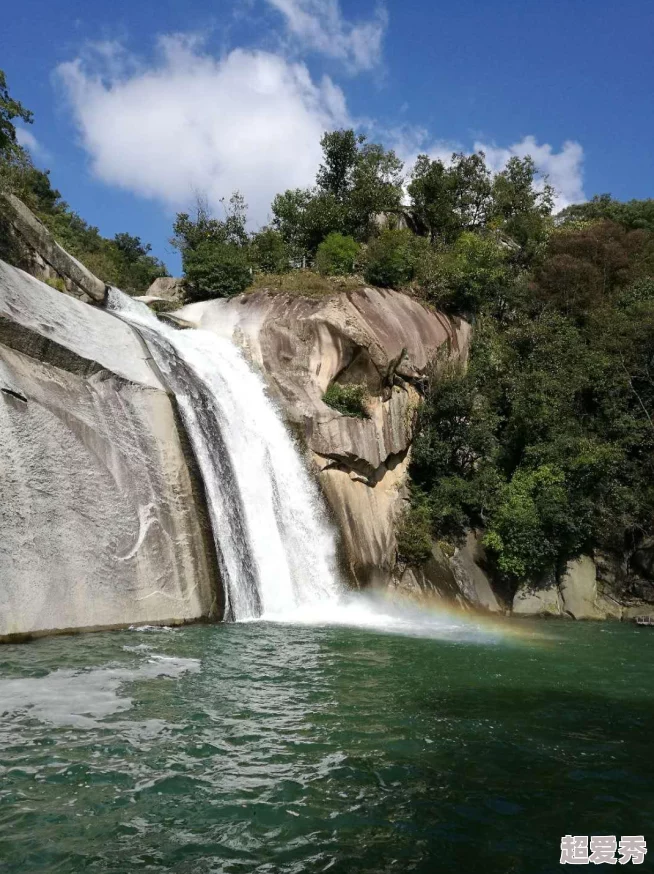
[273, 748]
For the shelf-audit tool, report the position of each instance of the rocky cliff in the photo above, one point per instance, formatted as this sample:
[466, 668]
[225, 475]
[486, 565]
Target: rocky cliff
[381, 339]
[102, 518]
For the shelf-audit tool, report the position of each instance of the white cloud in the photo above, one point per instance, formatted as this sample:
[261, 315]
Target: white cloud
[319, 25]
[28, 141]
[194, 123]
[564, 168]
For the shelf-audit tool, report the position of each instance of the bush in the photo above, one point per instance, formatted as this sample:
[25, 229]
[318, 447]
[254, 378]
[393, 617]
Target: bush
[414, 543]
[337, 255]
[392, 258]
[269, 252]
[471, 274]
[347, 399]
[216, 270]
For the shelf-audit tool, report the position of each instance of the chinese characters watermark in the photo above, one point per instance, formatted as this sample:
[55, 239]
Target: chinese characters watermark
[602, 849]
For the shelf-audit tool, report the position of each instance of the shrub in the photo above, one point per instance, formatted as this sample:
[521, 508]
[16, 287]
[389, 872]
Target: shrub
[216, 270]
[392, 258]
[472, 273]
[414, 544]
[269, 252]
[347, 399]
[337, 255]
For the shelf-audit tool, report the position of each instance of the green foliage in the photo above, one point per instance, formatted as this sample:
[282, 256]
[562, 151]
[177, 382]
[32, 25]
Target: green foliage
[337, 255]
[269, 252]
[632, 215]
[473, 273]
[414, 542]
[392, 258]
[215, 269]
[525, 529]
[462, 195]
[124, 261]
[356, 181]
[189, 233]
[10, 109]
[215, 252]
[546, 441]
[347, 399]
[449, 199]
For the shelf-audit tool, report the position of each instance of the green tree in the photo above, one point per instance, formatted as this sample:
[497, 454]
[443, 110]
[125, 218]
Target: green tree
[475, 272]
[392, 258]
[355, 183]
[522, 206]
[632, 215]
[337, 255]
[269, 251]
[449, 199]
[10, 110]
[214, 269]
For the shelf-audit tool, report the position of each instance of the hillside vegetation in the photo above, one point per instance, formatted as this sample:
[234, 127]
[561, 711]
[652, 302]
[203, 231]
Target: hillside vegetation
[123, 261]
[545, 443]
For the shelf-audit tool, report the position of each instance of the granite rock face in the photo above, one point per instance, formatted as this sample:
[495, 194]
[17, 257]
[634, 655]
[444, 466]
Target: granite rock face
[167, 288]
[102, 516]
[381, 339]
[43, 257]
[578, 593]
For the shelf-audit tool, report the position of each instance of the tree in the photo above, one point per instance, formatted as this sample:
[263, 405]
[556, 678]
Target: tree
[586, 267]
[340, 156]
[216, 269]
[632, 215]
[191, 232]
[269, 252]
[471, 274]
[10, 109]
[449, 199]
[521, 206]
[337, 255]
[304, 218]
[356, 182]
[392, 258]
[215, 252]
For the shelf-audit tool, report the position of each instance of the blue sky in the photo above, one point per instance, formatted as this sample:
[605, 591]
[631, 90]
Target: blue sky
[139, 104]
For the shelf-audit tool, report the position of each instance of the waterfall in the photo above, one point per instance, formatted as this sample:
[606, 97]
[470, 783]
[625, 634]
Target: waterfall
[275, 547]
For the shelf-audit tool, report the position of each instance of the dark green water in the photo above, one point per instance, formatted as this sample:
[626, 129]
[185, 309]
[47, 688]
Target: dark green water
[273, 748]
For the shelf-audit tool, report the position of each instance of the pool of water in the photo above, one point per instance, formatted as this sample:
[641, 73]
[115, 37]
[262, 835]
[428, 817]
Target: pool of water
[269, 747]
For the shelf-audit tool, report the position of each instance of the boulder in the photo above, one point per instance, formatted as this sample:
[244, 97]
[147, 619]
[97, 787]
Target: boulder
[167, 288]
[382, 339]
[542, 599]
[468, 565]
[580, 595]
[43, 257]
[102, 514]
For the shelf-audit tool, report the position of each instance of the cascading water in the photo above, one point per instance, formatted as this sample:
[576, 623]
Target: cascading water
[275, 547]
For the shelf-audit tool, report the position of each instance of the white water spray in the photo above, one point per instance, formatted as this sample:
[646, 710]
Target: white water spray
[275, 547]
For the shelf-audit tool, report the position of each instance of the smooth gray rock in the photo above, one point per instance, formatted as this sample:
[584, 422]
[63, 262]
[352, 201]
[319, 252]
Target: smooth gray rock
[102, 521]
[580, 595]
[167, 288]
[46, 258]
[538, 600]
[468, 565]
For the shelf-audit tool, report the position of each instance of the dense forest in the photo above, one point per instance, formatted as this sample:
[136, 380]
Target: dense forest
[545, 442]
